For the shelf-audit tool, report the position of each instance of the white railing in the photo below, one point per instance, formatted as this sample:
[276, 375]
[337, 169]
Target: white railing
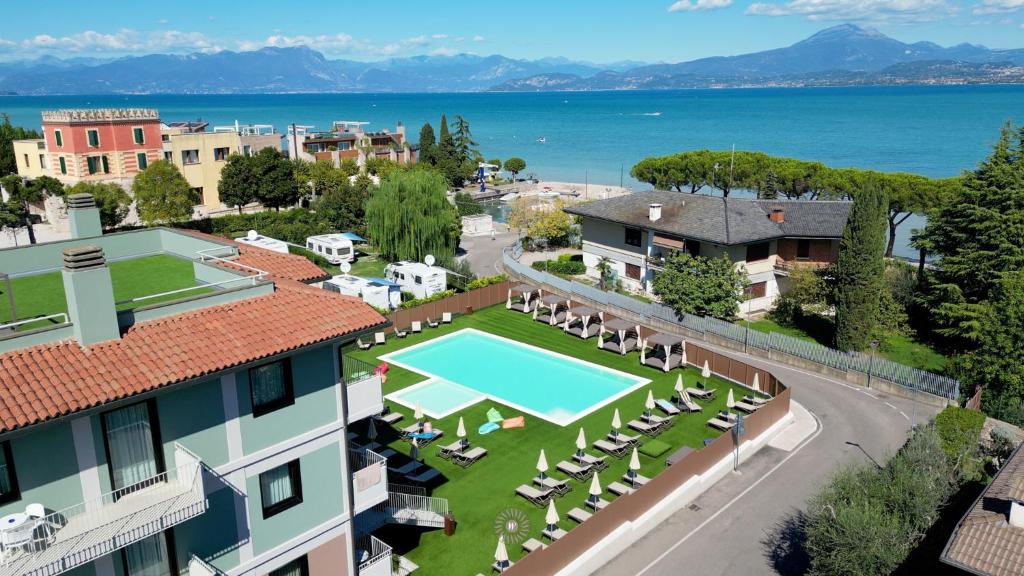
[205, 255]
[81, 533]
[369, 478]
[410, 505]
[36, 319]
[370, 552]
[199, 567]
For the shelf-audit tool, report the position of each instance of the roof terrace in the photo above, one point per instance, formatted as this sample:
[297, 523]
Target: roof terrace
[68, 288]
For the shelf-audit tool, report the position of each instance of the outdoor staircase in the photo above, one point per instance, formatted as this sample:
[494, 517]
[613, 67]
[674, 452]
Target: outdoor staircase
[410, 505]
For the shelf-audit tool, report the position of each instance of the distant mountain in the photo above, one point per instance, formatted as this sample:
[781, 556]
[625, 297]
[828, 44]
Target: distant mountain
[299, 69]
[845, 48]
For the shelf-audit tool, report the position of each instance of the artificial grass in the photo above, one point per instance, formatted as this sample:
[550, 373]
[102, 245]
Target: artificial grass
[43, 294]
[478, 495]
[654, 448]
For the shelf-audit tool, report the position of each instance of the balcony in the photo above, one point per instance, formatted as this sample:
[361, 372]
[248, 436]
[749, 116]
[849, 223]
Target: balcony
[363, 389]
[369, 478]
[374, 557]
[86, 531]
[199, 567]
[785, 266]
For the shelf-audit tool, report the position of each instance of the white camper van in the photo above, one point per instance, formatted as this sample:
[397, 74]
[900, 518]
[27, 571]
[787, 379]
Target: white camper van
[418, 278]
[336, 248]
[376, 292]
[254, 238]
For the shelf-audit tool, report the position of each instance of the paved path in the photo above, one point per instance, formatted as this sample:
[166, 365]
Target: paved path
[484, 252]
[722, 531]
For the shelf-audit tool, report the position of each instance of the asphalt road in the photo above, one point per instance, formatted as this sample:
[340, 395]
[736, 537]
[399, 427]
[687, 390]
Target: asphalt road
[484, 252]
[724, 530]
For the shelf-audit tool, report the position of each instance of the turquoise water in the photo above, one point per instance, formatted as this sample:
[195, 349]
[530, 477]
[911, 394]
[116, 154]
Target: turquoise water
[597, 136]
[438, 398]
[551, 386]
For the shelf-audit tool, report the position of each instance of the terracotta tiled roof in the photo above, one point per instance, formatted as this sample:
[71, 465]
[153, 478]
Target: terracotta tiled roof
[279, 265]
[984, 541]
[59, 378]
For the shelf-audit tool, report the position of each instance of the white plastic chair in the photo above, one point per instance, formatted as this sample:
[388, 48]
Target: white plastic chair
[37, 512]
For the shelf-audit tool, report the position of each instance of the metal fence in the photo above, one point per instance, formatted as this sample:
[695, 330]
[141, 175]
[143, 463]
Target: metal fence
[882, 368]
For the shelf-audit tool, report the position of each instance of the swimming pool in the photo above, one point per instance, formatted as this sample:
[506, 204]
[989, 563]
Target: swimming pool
[467, 366]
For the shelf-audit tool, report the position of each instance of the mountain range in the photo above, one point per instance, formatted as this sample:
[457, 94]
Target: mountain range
[841, 55]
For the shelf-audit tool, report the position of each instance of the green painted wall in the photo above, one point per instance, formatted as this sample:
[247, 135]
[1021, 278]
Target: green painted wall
[84, 570]
[194, 417]
[47, 256]
[187, 245]
[106, 485]
[212, 536]
[321, 500]
[315, 402]
[55, 485]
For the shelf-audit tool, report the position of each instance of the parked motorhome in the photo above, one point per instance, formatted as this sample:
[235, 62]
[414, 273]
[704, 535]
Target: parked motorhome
[418, 278]
[336, 248]
[254, 238]
[376, 292]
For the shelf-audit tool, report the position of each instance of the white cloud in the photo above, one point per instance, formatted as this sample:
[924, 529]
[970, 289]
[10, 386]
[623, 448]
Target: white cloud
[847, 10]
[123, 41]
[439, 36]
[444, 51]
[417, 40]
[478, 38]
[694, 5]
[998, 6]
[163, 21]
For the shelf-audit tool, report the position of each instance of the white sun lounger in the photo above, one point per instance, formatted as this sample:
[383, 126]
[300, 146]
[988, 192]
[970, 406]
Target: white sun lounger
[617, 450]
[424, 477]
[451, 449]
[537, 497]
[755, 400]
[667, 407]
[747, 407]
[432, 323]
[579, 515]
[469, 457]
[577, 472]
[619, 489]
[722, 425]
[596, 461]
[598, 504]
[702, 393]
[363, 345]
[378, 338]
[561, 487]
[390, 417]
[446, 318]
[645, 428]
[637, 480]
[553, 534]
[623, 438]
[533, 544]
[417, 327]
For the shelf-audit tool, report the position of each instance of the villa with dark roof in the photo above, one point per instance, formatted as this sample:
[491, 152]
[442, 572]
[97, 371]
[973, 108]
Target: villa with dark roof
[638, 232]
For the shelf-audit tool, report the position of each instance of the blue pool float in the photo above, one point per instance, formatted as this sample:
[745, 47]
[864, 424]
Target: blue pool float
[488, 427]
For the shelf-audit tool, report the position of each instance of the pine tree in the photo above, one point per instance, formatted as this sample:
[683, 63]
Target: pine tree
[446, 143]
[465, 146]
[860, 270]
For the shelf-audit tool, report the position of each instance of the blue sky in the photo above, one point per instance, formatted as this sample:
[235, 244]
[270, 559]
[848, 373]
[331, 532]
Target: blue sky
[599, 31]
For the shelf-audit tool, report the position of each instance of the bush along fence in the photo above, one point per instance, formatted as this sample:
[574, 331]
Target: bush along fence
[461, 303]
[855, 367]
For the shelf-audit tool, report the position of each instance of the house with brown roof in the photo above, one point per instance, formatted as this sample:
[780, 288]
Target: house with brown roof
[636, 234]
[989, 539]
[171, 402]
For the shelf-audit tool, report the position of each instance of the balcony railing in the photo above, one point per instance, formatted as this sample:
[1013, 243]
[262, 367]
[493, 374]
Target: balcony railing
[374, 557]
[86, 531]
[199, 567]
[369, 478]
[363, 388]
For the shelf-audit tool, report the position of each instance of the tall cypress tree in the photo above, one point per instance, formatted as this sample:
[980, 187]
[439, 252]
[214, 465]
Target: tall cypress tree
[427, 144]
[446, 142]
[860, 269]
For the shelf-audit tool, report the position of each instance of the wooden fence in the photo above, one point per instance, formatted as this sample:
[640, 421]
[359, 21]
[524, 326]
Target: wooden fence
[462, 303]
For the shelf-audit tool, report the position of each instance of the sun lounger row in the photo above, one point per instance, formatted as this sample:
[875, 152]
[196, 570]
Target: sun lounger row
[561, 487]
[534, 496]
[590, 460]
[417, 326]
[575, 472]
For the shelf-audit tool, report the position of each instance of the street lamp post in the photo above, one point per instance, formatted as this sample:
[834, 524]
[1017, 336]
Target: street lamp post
[871, 362]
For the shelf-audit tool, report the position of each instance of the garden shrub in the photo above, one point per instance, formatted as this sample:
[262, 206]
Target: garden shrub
[960, 431]
[486, 281]
[563, 266]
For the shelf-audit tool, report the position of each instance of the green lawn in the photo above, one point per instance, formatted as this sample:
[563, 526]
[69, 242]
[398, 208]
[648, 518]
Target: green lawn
[900, 349]
[368, 265]
[478, 494]
[43, 294]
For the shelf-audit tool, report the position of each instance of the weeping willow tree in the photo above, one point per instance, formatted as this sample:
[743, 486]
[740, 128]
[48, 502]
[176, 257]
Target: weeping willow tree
[409, 217]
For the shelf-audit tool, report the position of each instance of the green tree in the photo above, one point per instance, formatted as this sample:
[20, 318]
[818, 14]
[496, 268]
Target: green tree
[428, 145]
[349, 166]
[238, 181]
[462, 140]
[551, 223]
[162, 194]
[495, 162]
[515, 165]
[22, 195]
[409, 216]
[701, 285]
[467, 205]
[275, 179]
[997, 364]
[48, 186]
[8, 134]
[446, 143]
[860, 270]
[977, 234]
[113, 201]
[344, 207]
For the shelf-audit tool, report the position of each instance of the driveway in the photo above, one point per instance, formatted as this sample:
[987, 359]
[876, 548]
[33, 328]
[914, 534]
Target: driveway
[722, 531]
[484, 252]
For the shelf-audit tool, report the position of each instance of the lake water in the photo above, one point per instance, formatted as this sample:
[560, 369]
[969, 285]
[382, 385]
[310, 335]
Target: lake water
[597, 136]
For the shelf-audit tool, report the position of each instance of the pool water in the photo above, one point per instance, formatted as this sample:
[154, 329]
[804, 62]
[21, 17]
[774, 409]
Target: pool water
[469, 365]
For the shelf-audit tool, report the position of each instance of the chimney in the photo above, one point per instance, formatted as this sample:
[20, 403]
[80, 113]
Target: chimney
[1016, 513]
[84, 216]
[655, 212]
[90, 295]
[778, 215]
